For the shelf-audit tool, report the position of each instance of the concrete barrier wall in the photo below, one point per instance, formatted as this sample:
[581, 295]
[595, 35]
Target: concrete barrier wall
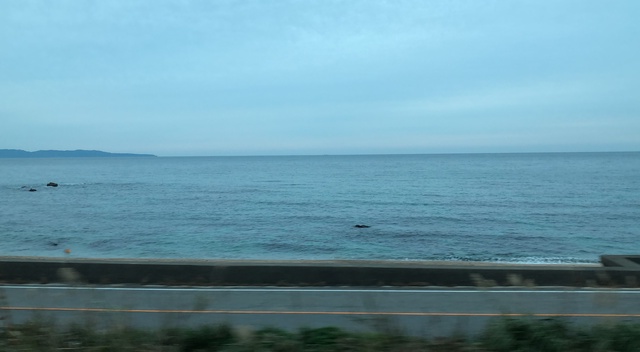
[309, 273]
[627, 261]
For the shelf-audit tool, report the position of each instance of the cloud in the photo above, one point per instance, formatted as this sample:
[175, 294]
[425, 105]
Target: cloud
[287, 76]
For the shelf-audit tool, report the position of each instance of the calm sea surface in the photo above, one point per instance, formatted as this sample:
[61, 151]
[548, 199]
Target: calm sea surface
[533, 208]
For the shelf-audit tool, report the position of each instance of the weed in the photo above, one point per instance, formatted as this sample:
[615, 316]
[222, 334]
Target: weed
[505, 334]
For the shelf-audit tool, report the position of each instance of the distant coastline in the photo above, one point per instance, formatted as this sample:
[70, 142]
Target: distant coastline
[18, 153]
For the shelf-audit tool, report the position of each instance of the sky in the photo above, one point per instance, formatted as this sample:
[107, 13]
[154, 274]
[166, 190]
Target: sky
[285, 77]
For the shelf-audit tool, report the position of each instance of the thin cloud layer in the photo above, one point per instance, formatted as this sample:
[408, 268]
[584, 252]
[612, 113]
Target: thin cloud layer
[319, 77]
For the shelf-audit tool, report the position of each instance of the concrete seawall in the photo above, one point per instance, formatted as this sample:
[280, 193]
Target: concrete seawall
[615, 271]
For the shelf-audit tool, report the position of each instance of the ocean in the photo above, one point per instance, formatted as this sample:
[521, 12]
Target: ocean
[516, 208]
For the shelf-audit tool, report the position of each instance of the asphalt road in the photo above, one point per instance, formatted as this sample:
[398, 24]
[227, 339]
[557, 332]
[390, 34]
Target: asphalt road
[426, 311]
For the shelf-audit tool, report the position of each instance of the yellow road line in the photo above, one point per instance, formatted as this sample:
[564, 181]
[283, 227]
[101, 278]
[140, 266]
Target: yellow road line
[425, 314]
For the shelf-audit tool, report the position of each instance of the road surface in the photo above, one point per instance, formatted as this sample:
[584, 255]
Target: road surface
[415, 311]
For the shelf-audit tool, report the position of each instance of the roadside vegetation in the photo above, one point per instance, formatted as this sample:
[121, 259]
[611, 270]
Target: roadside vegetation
[505, 334]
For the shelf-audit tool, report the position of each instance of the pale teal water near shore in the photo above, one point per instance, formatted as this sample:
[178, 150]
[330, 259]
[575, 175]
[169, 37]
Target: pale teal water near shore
[531, 208]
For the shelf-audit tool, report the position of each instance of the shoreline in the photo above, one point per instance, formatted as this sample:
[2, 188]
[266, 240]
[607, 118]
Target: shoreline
[375, 262]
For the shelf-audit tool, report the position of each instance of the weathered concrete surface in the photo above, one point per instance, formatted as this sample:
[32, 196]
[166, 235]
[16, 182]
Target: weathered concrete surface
[309, 273]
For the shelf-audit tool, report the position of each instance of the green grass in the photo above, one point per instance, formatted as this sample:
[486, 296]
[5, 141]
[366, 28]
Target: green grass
[523, 335]
[506, 334]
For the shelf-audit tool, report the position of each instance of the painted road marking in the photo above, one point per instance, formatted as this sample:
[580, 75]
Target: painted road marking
[320, 290]
[425, 314]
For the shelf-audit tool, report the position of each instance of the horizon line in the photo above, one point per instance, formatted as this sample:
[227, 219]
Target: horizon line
[150, 154]
[389, 154]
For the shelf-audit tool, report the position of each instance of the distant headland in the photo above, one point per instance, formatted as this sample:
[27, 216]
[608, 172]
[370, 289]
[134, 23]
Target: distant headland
[18, 153]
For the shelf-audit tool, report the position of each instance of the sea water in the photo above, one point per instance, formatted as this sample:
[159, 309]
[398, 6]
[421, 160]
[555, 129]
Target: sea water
[525, 208]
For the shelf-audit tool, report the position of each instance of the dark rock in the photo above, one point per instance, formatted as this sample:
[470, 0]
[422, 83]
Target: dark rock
[52, 184]
[362, 226]
[32, 189]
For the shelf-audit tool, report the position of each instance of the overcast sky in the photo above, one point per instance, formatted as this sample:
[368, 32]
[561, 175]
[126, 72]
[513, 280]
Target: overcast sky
[226, 77]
